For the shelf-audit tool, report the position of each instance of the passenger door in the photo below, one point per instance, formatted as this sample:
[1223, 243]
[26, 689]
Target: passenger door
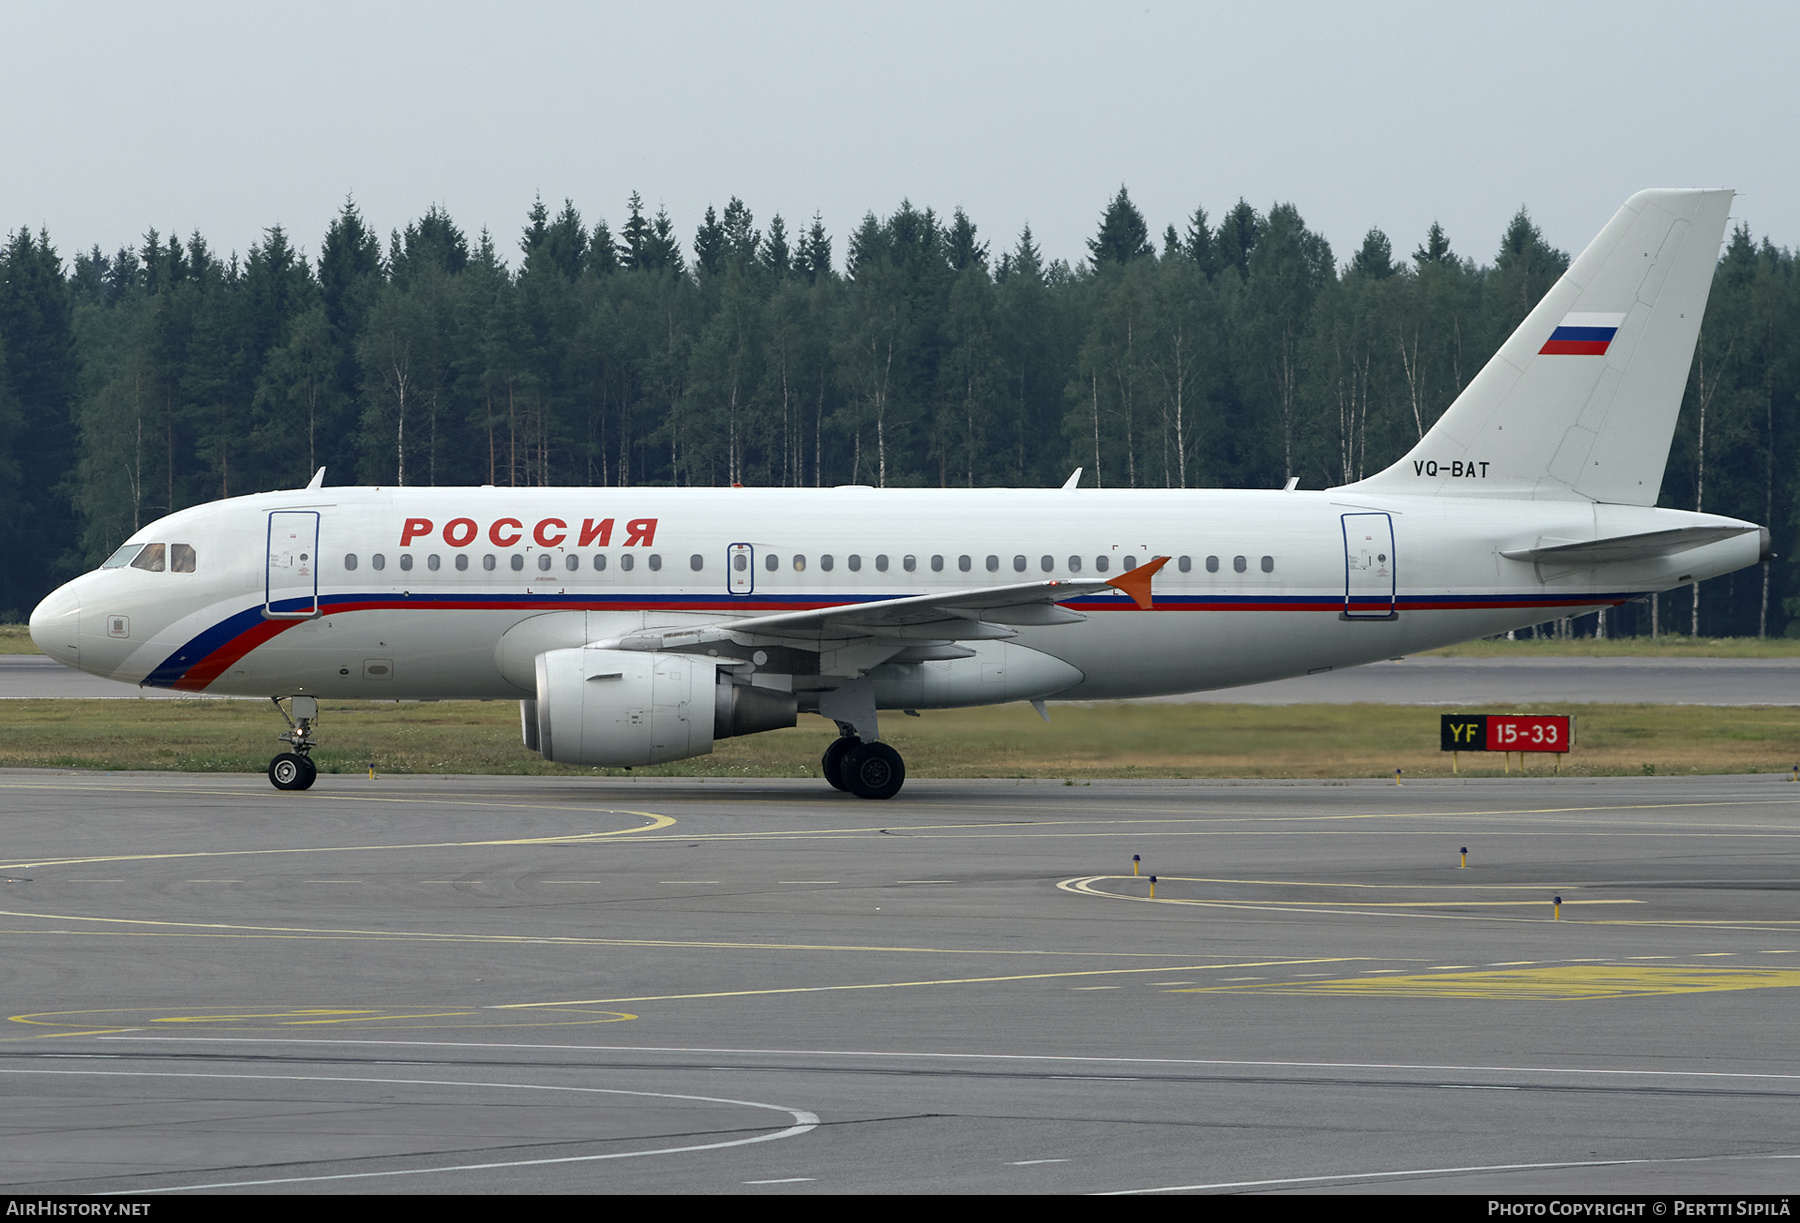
[291, 575]
[1369, 581]
[740, 565]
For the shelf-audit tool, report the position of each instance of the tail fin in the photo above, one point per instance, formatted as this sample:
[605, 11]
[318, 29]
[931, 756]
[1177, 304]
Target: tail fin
[1580, 402]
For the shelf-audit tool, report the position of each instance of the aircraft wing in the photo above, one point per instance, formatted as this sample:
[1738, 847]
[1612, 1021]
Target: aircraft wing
[980, 614]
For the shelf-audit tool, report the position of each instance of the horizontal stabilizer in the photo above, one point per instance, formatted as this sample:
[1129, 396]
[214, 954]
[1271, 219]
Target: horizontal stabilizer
[1645, 546]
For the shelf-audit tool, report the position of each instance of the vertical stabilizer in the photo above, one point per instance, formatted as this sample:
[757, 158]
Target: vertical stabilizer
[1580, 402]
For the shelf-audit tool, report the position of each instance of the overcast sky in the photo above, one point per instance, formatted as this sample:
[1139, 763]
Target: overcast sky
[229, 118]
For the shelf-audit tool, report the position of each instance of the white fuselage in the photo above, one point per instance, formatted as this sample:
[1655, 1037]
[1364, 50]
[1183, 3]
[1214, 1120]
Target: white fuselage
[414, 625]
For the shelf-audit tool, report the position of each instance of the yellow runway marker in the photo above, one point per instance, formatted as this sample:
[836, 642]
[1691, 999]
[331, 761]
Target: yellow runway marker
[1090, 886]
[176, 929]
[832, 989]
[385, 1019]
[656, 823]
[1568, 983]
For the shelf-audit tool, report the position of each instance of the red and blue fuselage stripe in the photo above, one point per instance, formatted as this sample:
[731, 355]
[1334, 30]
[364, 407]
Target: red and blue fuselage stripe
[206, 655]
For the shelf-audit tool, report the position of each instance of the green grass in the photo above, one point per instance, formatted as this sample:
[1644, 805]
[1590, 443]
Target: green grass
[1666, 646]
[1080, 742]
[16, 639]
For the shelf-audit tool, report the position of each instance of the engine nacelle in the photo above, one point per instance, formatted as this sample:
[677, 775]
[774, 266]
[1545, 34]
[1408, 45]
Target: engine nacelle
[622, 708]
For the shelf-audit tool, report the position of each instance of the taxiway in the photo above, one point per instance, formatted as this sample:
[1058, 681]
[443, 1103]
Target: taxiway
[450, 984]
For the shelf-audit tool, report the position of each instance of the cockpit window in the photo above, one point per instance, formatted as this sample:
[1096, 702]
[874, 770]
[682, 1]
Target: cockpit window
[150, 558]
[122, 557]
[182, 558]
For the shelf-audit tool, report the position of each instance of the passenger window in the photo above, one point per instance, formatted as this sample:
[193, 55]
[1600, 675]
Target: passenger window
[799, 563]
[963, 563]
[1185, 564]
[181, 558]
[488, 562]
[1268, 564]
[909, 563]
[121, 558]
[1018, 564]
[462, 561]
[740, 562]
[1047, 564]
[1074, 564]
[881, 563]
[655, 562]
[825, 562]
[518, 562]
[432, 562]
[1130, 563]
[1100, 563]
[993, 564]
[1212, 564]
[855, 563]
[349, 560]
[1237, 563]
[406, 562]
[937, 564]
[626, 561]
[378, 561]
[696, 562]
[599, 562]
[771, 562]
[571, 562]
[150, 559]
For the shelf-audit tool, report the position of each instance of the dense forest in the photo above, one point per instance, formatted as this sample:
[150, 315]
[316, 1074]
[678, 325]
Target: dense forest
[1231, 352]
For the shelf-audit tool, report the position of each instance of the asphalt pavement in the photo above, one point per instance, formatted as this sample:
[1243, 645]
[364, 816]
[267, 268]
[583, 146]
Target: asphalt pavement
[568, 985]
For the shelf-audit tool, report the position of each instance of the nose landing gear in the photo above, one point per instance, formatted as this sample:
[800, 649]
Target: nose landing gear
[295, 770]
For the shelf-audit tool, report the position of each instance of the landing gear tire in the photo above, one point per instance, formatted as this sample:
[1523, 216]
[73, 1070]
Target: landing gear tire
[292, 771]
[873, 770]
[832, 762]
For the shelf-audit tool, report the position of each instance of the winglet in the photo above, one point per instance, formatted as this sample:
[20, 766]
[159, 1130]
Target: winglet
[1136, 582]
[318, 480]
[1073, 481]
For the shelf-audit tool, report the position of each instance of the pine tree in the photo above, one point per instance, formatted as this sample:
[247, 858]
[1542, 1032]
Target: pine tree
[349, 277]
[37, 342]
[709, 245]
[814, 256]
[1237, 236]
[1436, 247]
[603, 256]
[1200, 246]
[776, 257]
[1375, 259]
[960, 246]
[1123, 234]
[635, 237]
[741, 241]
[662, 251]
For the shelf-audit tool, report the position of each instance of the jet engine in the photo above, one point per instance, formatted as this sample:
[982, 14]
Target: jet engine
[621, 708]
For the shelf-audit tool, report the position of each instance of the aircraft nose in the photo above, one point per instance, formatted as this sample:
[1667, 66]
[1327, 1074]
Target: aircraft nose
[56, 626]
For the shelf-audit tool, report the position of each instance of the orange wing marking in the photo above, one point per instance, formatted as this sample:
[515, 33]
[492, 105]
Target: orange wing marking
[1136, 583]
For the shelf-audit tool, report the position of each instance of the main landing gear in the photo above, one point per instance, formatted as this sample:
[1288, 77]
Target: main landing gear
[867, 770]
[864, 766]
[295, 770]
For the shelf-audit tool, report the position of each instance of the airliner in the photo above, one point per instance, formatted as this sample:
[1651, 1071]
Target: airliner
[641, 625]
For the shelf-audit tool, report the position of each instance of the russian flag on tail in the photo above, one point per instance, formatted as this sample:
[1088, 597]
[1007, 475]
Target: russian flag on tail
[1582, 335]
